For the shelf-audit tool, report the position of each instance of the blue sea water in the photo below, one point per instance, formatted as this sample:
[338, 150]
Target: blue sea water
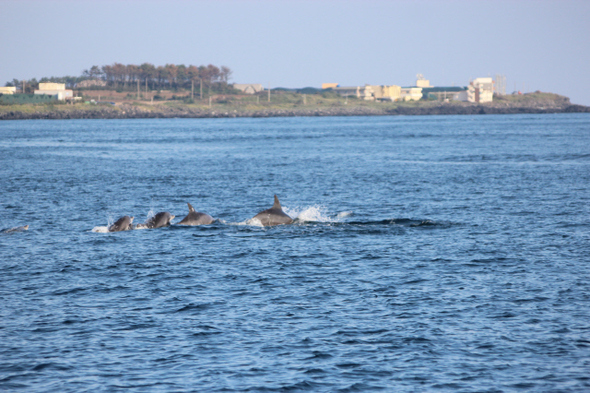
[428, 254]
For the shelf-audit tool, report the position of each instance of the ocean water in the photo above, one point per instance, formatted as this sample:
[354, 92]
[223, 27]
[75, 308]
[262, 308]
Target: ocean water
[428, 254]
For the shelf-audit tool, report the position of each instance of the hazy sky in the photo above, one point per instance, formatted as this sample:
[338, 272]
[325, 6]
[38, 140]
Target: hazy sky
[537, 45]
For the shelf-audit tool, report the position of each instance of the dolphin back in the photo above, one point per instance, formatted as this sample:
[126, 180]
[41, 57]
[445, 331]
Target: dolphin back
[15, 229]
[274, 216]
[161, 219]
[196, 218]
[122, 224]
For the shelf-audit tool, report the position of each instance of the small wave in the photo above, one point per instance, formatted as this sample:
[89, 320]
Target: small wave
[249, 222]
[100, 229]
[405, 222]
[344, 214]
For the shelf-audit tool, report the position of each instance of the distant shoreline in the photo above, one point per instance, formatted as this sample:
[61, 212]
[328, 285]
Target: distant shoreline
[533, 103]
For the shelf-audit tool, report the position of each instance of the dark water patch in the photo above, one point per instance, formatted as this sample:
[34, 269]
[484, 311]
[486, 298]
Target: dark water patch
[194, 307]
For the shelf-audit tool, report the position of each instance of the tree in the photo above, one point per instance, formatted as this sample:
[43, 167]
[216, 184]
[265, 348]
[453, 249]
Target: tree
[93, 73]
[171, 74]
[225, 74]
[147, 72]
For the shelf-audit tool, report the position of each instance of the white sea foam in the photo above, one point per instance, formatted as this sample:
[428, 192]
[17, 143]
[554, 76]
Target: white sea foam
[254, 222]
[251, 221]
[314, 213]
[100, 229]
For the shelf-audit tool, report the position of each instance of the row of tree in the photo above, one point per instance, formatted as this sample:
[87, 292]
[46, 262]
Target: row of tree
[124, 76]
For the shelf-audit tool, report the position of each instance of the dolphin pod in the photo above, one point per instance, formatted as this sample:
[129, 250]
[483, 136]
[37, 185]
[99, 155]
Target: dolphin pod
[269, 217]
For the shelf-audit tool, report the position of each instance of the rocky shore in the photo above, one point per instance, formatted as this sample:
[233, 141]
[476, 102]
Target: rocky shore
[539, 104]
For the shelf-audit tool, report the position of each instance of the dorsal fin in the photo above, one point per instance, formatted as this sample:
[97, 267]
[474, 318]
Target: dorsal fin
[190, 208]
[277, 204]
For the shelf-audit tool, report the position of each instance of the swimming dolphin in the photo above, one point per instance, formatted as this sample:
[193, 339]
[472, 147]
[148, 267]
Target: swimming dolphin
[122, 224]
[196, 218]
[273, 216]
[161, 219]
[15, 229]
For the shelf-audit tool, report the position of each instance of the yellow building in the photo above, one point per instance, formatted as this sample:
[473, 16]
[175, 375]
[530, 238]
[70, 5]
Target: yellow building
[422, 82]
[58, 90]
[8, 90]
[391, 93]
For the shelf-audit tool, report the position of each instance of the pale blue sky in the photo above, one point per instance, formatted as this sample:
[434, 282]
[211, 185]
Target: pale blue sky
[537, 45]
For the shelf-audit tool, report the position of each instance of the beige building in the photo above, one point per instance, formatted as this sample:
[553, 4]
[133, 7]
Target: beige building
[369, 92]
[382, 93]
[480, 90]
[8, 90]
[249, 88]
[58, 90]
[391, 93]
[422, 82]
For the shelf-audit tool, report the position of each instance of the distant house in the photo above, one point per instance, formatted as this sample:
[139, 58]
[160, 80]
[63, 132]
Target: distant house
[249, 88]
[8, 90]
[422, 82]
[386, 93]
[369, 92]
[56, 90]
[411, 93]
[480, 90]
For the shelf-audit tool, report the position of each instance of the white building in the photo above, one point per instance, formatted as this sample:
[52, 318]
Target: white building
[411, 93]
[480, 90]
[57, 90]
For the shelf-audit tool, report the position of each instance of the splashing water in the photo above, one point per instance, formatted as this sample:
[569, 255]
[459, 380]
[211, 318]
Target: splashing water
[151, 213]
[105, 229]
[252, 221]
[314, 213]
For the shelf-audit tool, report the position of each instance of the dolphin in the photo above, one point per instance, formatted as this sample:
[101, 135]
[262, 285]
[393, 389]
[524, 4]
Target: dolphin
[273, 216]
[196, 218]
[122, 224]
[15, 229]
[161, 219]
